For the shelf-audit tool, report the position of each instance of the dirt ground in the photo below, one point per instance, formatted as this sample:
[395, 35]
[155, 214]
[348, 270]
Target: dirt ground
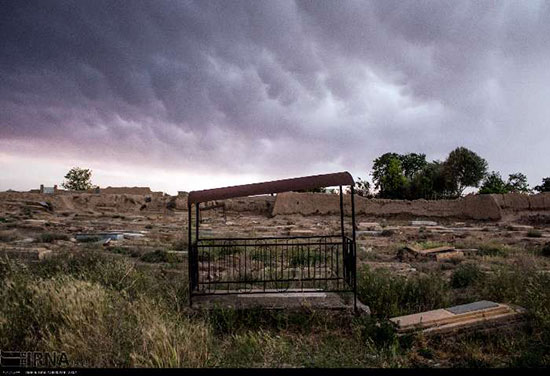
[31, 228]
[156, 239]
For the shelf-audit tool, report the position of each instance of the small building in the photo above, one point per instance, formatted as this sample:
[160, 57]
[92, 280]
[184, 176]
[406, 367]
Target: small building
[48, 190]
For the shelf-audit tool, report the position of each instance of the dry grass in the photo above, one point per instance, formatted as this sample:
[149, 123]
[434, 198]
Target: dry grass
[106, 310]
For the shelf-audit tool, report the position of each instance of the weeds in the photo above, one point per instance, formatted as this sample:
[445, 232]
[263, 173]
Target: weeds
[7, 236]
[465, 275]
[391, 295]
[159, 256]
[90, 239]
[107, 311]
[430, 244]
[494, 249]
[534, 233]
[50, 237]
[96, 326]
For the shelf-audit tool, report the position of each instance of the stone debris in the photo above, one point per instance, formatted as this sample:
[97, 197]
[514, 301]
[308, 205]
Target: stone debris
[514, 227]
[26, 240]
[132, 235]
[398, 268]
[99, 236]
[302, 233]
[423, 223]
[439, 253]
[368, 233]
[32, 254]
[481, 315]
[369, 226]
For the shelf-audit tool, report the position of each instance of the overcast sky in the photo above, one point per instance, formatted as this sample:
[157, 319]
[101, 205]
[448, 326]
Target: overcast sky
[182, 95]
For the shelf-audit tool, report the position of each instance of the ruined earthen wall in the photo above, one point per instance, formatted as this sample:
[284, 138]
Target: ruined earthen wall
[112, 203]
[478, 207]
[127, 190]
[262, 204]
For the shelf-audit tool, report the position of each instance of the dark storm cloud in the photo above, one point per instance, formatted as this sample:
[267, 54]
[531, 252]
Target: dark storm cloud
[280, 86]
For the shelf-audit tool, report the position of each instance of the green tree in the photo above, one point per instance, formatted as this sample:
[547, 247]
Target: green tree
[517, 183]
[545, 186]
[412, 163]
[493, 183]
[78, 179]
[466, 168]
[380, 167]
[362, 188]
[432, 182]
[393, 184]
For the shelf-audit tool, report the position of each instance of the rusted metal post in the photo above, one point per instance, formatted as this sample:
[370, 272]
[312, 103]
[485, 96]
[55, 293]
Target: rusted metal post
[342, 215]
[197, 213]
[190, 263]
[354, 249]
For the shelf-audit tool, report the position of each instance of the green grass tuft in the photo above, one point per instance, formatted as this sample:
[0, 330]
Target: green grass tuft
[50, 237]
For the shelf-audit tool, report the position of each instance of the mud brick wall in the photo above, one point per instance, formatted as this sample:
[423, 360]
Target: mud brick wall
[477, 207]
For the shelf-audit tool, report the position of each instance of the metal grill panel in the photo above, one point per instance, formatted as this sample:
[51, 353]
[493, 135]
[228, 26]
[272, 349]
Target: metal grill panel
[272, 264]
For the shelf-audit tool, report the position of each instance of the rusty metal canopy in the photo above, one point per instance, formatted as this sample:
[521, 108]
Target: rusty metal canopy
[276, 186]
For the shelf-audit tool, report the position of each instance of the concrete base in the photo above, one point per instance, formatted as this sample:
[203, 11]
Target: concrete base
[309, 299]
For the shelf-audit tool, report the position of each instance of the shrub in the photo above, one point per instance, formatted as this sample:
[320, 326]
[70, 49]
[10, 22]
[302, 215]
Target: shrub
[180, 244]
[387, 233]
[392, 295]
[494, 249]
[430, 244]
[159, 256]
[534, 233]
[545, 250]
[465, 275]
[381, 333]
[89, 239]
[7, 236]
[49, 237]
[123, 251]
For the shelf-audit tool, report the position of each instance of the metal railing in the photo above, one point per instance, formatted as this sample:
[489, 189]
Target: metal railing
[272, 264]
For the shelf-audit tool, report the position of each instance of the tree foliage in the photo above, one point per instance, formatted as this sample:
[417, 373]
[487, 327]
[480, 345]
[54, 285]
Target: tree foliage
[78, 179]
[410, 176]
[466, 168]
[493, 183]
[517, 183]
[394, 183]
[545, 186]
[362, 188]
[412, 163]
[380, 168]
[388, 176]
[432, 182]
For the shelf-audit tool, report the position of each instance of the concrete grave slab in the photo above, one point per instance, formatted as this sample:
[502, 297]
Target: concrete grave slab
[99, 236]
[475, 306]
[423, 223]
[473, 316]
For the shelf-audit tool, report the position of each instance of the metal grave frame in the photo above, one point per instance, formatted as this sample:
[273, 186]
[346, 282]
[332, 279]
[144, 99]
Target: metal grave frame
[291, 264]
